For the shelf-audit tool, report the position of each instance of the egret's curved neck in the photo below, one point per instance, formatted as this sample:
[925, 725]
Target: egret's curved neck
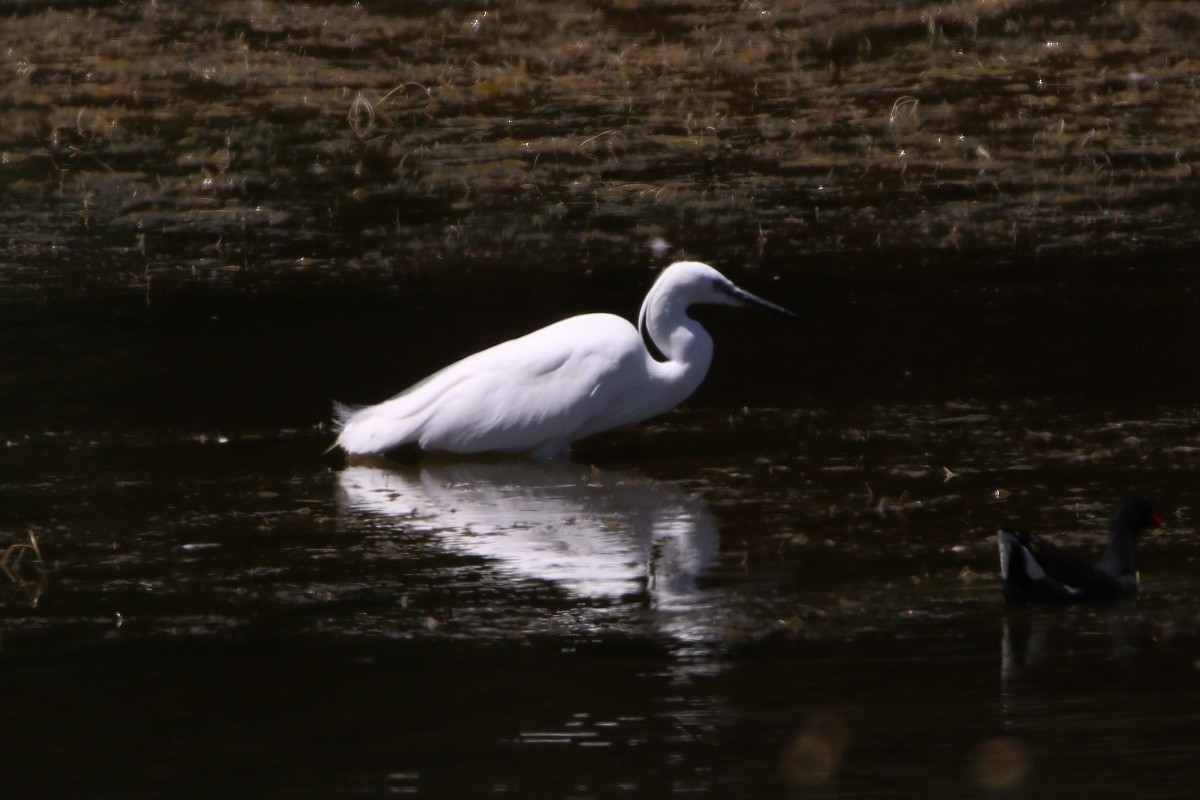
[648, 340]
[673, 339]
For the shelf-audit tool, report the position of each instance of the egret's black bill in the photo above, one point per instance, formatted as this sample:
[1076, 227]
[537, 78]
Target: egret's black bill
[757, 302]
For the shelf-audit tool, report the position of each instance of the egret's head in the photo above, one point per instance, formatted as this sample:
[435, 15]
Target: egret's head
[694, 283]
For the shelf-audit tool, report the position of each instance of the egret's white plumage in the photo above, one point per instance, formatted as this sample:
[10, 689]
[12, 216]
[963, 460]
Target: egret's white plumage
[538, 393]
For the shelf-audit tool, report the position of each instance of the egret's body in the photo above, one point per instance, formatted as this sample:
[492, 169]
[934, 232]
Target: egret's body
[540, 392]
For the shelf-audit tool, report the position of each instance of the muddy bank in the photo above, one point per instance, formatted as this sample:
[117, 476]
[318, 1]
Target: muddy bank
[233, 142]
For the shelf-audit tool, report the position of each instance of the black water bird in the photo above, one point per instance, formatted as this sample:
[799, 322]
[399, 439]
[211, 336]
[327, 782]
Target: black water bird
[1036, 571]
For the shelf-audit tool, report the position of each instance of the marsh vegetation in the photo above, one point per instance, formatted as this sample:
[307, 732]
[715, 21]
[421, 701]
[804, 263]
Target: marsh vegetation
[264, 136]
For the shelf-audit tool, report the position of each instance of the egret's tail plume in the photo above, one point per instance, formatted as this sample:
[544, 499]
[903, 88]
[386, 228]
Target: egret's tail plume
[342, 414]
[369, 429]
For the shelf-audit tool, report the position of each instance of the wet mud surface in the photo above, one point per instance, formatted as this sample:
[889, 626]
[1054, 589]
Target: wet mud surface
[220, 217]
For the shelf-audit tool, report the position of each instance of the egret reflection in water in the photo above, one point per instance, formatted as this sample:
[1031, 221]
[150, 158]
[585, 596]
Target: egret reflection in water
[605, 537]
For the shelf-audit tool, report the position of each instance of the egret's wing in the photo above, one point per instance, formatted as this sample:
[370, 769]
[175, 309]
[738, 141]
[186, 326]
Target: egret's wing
[514, 396]
[398, 420]
[539, 389]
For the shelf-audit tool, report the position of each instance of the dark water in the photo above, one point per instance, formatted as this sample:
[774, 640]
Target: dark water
[788, 587]
[794, 596]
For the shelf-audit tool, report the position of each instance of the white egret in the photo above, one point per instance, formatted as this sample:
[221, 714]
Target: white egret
[538, 393]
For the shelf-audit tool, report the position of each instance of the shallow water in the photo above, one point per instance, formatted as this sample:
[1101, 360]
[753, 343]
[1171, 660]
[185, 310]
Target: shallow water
[728, 602]
[788, 587]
